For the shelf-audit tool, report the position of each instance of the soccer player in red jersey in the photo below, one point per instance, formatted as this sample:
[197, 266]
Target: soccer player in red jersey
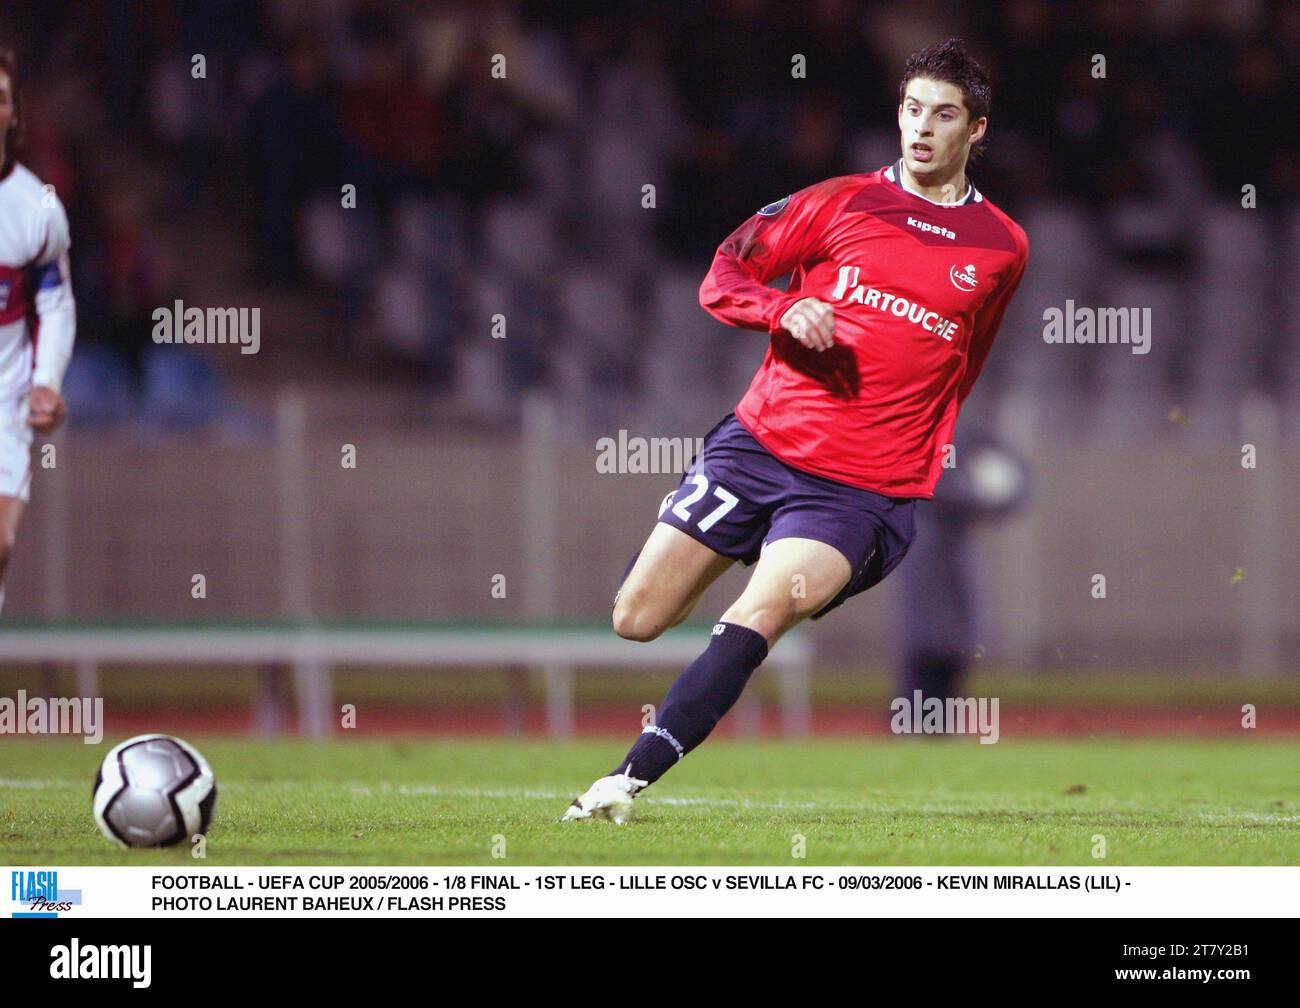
[899, 281]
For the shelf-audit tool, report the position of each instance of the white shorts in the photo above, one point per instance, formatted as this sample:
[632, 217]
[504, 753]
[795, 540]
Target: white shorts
[15, 449]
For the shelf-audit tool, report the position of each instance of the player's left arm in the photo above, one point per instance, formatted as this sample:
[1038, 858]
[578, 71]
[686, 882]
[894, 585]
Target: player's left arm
[56, 312]
[987, 321]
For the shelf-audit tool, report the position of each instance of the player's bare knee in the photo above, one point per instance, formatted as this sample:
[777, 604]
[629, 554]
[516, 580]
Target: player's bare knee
[769, 618]
[634, 627]
[634, 621]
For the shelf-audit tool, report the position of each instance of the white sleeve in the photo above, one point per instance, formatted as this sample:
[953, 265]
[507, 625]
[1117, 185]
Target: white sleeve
[56, 310]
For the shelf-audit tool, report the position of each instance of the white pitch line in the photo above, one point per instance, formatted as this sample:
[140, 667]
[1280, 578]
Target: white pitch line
[510, 795]
[33, 785]
[1251, 816]
[431, 790]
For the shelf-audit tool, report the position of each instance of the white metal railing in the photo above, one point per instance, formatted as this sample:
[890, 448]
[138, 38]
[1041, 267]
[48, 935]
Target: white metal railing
[310, 652]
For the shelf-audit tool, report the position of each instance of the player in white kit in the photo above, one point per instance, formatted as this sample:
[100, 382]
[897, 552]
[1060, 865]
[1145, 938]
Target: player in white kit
[37, 315]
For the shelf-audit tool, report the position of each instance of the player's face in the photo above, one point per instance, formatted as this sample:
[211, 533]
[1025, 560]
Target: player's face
[936, 129]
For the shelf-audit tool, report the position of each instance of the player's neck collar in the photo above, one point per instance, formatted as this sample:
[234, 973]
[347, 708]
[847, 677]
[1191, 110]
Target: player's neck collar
[895, 175]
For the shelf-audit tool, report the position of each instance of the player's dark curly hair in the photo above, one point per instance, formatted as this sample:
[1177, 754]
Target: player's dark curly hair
[948, 61]
[14, 135]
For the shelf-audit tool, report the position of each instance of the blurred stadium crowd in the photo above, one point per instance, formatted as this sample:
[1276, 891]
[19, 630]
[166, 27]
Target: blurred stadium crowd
[523, 195]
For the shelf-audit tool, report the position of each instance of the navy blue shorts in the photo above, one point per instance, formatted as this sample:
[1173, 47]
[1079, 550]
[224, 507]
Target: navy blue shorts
[737, 496]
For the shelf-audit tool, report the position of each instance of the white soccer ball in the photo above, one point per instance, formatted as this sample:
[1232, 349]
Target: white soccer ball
[153, 791]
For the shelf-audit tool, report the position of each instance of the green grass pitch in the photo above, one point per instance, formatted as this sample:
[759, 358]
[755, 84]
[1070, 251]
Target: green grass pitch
[876, 802]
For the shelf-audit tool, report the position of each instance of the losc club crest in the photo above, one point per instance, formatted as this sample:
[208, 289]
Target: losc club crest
[36, 893]
[963, 278]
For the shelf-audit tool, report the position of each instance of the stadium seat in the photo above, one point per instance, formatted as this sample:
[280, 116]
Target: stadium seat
[520, 235]
[403, 310]
[1062, 262]
[619, 163]
[338, 244]
[1132, 394]
[1232, 245]
[430, 231]
[695, 368]
[1233, 277]
[182, 391]
[551, 170]
[100, 386]
[601, 325]
[492, 372]
[1289, 354]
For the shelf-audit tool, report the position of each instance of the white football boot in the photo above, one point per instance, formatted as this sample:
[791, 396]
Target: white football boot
[610, 798]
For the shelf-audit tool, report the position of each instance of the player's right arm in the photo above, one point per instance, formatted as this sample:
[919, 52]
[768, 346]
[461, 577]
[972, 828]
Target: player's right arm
[56, 310]
[776, 240]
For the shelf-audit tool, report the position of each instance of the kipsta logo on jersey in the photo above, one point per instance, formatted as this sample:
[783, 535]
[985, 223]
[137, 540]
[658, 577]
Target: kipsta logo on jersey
[772, 209]
[963, 278]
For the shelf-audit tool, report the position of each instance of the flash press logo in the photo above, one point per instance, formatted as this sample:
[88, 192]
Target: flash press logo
[75, 961]
[37, 893]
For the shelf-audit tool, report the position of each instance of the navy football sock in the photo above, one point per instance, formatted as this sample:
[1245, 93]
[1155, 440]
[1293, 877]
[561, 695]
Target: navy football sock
[697, 701]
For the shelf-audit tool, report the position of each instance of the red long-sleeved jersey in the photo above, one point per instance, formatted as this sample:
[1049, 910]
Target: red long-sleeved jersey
[918, 290]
